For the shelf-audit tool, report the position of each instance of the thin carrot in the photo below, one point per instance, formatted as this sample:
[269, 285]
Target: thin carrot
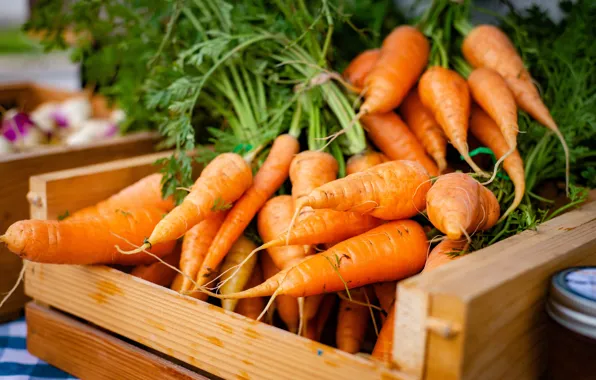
[158, 273]
[404, 54]
[425, 128]
[363, 161]
[238, 252]
[87, 241]
[316, 325]
[400, 189]
[458, 205]
[446, 95]
[145, 193]
[287, 307]
[252, 307]
[269, 178]
[487, 132]
[385, 292]
[391, 135]
[445, 252]
[383, 350]
[352, 321]
[360, 66]
[221, 182]
[488, 46]
[309, 170]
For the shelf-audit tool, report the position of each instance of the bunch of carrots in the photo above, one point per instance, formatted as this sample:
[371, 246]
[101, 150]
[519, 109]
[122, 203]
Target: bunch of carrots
[328, 239]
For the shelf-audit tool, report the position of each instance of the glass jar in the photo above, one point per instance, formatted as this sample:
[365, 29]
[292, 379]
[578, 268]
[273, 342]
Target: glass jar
[572, 325]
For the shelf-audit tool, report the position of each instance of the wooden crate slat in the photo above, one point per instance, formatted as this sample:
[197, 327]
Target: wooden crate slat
[222, 343]
[88, 353]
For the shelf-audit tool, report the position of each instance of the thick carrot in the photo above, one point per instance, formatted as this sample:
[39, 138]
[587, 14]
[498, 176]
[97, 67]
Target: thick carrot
[316, 325]
[488, 133]
[231, 284]
[352, 321]
[145, 193]
[159, 273]
[383, 350]
[391, 135]
[360, 66]
[311, 169]
[404, 55]
[385, 292]
[195, 244]
[222, 182]
[458, 205]
[287, 306]
[387, 253]
[446, 95]
[269, 178]
[363, 161]
[488, 46]
[425, 128]
[91, 240]
[252, 307]
[446, 251]
[400, 189]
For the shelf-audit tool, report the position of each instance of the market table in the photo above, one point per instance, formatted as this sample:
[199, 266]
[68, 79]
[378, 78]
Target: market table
[16, 363]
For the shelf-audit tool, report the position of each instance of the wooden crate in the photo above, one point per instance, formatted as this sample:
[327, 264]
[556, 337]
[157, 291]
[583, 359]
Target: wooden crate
[479, 317]
[18, 167]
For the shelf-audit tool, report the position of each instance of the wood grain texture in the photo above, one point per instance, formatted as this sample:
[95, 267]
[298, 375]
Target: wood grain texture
[16, 170]
[88, 353]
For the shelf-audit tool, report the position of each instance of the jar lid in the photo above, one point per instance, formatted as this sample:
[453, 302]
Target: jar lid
[572, 301]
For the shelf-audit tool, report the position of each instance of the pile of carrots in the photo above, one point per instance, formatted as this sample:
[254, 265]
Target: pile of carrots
[354, 236]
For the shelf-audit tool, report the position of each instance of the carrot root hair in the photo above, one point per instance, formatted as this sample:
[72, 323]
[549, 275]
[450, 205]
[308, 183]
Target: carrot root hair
[300, 315]
[139, 249]
[239, 265]
[299, 207]
[273, 297]
[359, 303]
[499, 162]
[16, 285]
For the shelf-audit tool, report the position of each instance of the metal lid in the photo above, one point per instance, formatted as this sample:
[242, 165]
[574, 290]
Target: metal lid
[572, 301]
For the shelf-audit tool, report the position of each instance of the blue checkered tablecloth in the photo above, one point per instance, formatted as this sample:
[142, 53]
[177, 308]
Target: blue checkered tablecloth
[16, 363]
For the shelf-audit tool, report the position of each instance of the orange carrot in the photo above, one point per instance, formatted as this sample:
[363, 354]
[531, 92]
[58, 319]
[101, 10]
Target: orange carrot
[315, 326]
[446, 95]
[487, 132]
[159, 273]
[363, 161]
[145, 193]
[391, 135]
[488, 46]
[287, 306]
[311, 169]
[352, 321]
[195, 244]
[425, 128]
[269, 178]
[458, 205]
[446, 251]
[383, 350]
[222, 182]
[252, 307]
[385, 292]
[360, 66]
[389, 252]
[404, 54]
[87, 241]
[400, 189]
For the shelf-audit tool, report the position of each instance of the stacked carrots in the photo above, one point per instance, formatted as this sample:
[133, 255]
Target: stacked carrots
[356, 235]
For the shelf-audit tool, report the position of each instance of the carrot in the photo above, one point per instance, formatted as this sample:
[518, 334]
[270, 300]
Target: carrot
[488, 46]
[352, 321]
[389, 252]
[458, 205]
[221, 182]
[425, 128]
[385, 292]
[269, 178]
[444, 252]
[239, 251]
[487, 132]
[316, 325]
[195, 244]
[87, 241]
[159, 273]
[309, 170]
[446, 95]
[360, 66]
[404, 55]
[490, 91]
[287, 307]
[383, 350]
[145, 193]
[400, 189]
[363, 161]
[391, 135]
[252, 307]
